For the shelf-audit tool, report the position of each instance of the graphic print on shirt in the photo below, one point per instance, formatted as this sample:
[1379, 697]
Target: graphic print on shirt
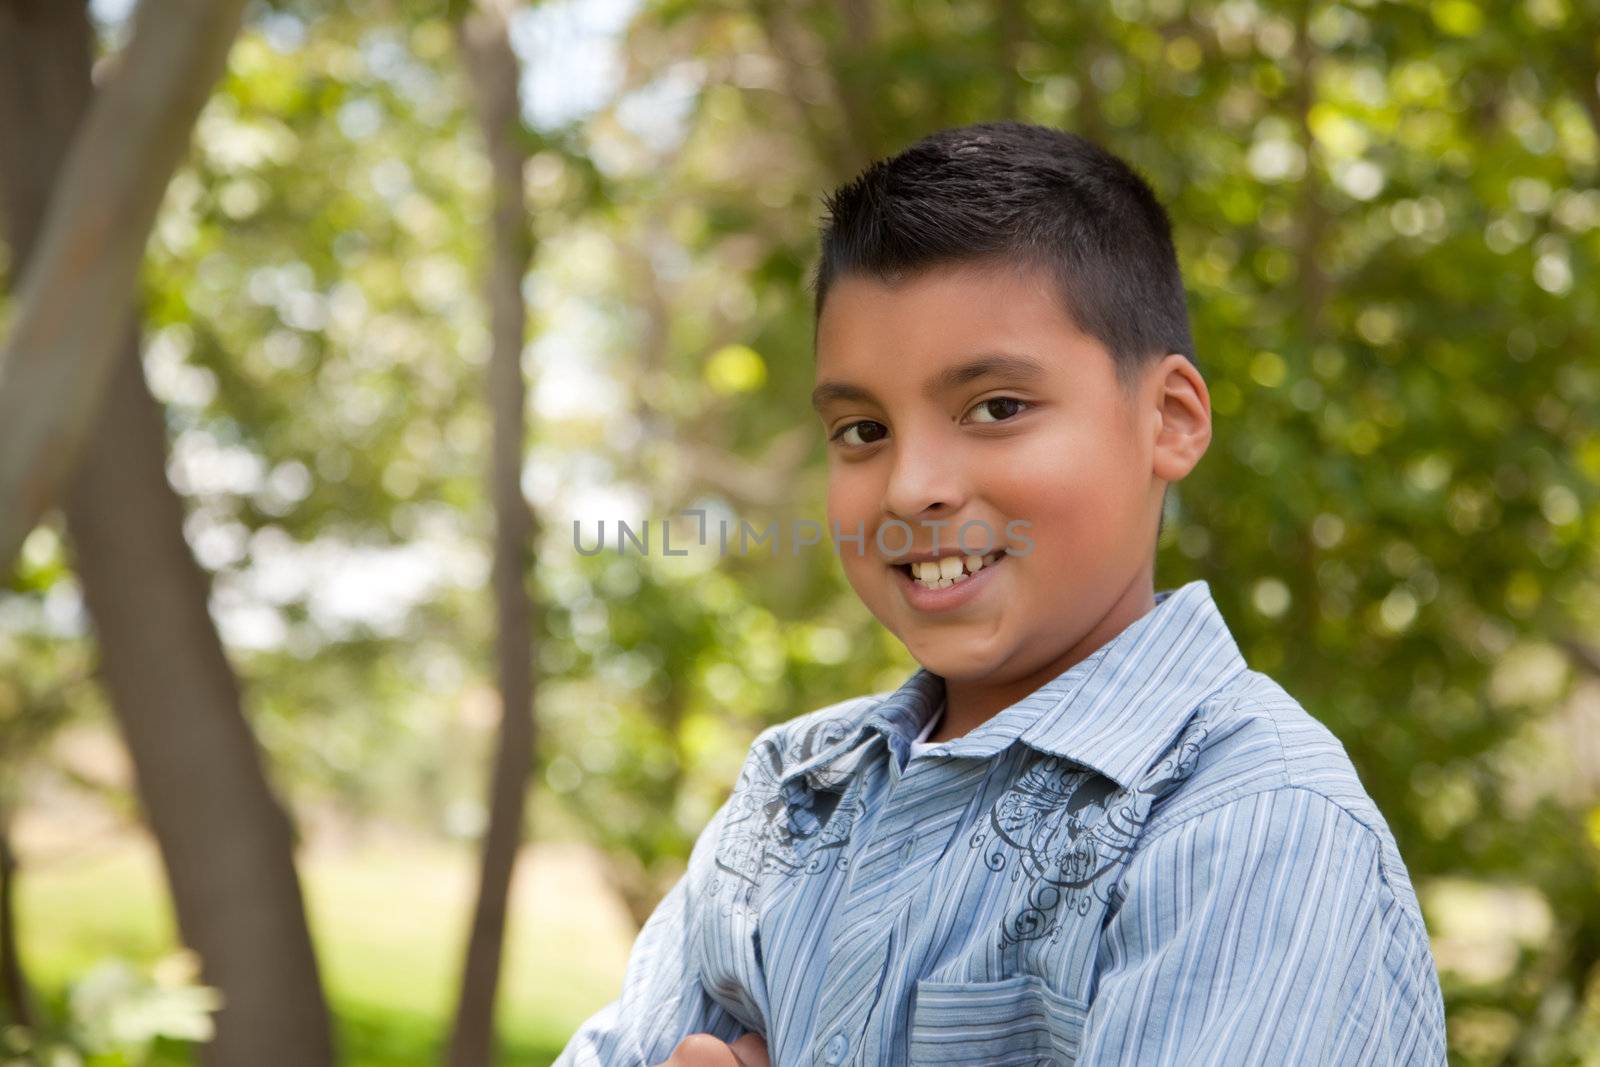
[1067, 827]
[785, 829]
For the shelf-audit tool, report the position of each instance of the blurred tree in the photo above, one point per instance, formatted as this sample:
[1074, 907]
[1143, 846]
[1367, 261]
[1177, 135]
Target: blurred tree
[481, 34]
[27, 719]
[224, 839]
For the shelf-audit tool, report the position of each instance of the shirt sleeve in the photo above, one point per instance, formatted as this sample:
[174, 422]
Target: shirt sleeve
[663, 999]
[1264, 932]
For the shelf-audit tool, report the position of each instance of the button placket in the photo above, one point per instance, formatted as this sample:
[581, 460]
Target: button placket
[844, 1007]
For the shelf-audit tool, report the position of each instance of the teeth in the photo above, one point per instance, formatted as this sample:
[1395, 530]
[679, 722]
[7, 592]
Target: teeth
[950, 570]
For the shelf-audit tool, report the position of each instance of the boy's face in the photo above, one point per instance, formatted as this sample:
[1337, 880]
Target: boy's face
[1043, 435]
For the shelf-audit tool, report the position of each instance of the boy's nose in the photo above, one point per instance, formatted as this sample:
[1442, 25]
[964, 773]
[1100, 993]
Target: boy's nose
[923, 483]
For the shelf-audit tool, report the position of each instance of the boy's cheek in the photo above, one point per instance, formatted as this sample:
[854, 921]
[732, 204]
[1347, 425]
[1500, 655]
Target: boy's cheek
[869, 578]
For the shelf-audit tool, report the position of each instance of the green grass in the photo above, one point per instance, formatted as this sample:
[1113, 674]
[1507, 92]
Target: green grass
[389, 922]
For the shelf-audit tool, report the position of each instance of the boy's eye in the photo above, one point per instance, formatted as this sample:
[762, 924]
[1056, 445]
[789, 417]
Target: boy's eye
[864, 432]
[997, 409]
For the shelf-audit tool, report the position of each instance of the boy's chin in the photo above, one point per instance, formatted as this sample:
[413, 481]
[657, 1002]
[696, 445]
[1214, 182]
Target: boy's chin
[955, 663]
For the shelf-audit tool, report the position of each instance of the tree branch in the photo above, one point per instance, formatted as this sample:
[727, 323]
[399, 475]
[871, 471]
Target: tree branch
[781, 36]
[1313, 217]
[74, 299]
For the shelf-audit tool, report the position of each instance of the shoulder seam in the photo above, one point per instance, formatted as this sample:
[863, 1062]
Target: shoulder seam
[1244, 792]
[1286, 779]
[1158, 830]
[1283, 760]
[1383, 860]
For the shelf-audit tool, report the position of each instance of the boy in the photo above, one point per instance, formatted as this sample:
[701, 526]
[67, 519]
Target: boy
[1084, 832]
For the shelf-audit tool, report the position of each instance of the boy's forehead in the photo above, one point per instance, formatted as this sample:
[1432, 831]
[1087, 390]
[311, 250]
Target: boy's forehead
[939, 280]
[940, 315]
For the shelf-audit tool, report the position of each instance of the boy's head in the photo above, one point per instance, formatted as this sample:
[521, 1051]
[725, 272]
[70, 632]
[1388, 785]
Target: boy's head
[1002, 337]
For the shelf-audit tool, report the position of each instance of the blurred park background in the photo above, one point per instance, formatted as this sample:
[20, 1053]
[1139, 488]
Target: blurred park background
[1388, 216]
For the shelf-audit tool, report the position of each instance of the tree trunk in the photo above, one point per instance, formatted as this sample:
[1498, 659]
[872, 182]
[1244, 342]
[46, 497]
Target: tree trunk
[15, 998]
[492, 70]
[74, 299]
[225, 842]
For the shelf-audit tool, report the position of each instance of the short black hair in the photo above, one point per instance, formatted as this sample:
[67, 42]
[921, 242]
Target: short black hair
[1029, 195]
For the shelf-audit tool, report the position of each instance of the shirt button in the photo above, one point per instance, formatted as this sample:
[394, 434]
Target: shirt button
[838, 1047]
[908, 849]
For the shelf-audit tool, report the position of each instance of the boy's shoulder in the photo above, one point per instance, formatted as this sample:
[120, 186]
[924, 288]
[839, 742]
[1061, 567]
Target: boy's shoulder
[1257, 738]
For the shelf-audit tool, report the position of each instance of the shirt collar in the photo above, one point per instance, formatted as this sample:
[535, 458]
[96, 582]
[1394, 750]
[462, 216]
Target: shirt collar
[1115, 711]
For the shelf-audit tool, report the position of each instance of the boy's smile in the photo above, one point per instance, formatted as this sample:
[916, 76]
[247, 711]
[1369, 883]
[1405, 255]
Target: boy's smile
[960, 400]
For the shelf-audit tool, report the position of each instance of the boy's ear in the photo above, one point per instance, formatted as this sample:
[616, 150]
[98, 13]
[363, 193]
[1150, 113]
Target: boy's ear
[1183, 417]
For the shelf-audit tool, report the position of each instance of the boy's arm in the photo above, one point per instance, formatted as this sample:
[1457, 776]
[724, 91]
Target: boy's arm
[662, 999]
[1263, 932]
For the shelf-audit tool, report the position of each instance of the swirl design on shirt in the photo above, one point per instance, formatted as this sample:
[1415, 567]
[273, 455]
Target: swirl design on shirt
[773, 827]
[1068, 826]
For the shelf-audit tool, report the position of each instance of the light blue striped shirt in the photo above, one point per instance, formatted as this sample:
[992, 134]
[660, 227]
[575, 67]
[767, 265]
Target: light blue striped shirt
[1158, 857]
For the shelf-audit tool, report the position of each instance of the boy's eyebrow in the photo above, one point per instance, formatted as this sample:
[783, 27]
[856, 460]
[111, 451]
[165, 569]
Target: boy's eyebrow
[828, 392]
[1003, 364]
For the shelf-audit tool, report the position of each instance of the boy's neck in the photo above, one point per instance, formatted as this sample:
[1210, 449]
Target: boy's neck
[970, 704]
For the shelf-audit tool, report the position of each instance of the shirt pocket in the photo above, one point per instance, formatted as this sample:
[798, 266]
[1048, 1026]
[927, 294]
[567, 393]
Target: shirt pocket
[1018, 1020]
